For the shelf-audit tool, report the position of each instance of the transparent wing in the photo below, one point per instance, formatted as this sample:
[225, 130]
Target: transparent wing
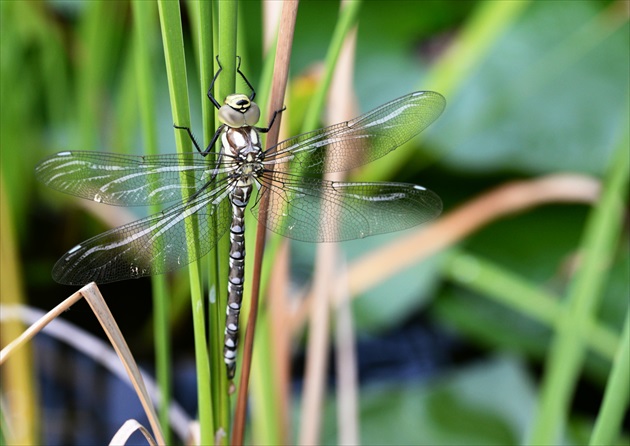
[152, 245]
[128, 180]
[361, 140]
[315, 210]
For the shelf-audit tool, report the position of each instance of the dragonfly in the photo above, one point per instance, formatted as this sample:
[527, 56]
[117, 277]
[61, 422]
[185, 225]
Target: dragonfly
[216, 186]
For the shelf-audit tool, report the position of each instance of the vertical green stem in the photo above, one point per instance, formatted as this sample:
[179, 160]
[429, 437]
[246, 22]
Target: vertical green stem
[206, 68]
[347, 18]
[216, 309]
[101, 35]
[227, 47]
[145, 27]
[172, 36]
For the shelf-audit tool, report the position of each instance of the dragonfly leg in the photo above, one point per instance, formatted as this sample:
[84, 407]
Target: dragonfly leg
[251, 87]
[273, 118]
[238, 70]
[194, 140]
[192, 137]
[214, 79]
[213, 141]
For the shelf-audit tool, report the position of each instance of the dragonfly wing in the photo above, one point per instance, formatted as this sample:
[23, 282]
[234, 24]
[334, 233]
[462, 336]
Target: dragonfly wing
[315, 210]
[127, 180]
[152, 245]
[353, 143]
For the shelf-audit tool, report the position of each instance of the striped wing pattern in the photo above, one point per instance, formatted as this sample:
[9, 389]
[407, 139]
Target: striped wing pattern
[315, 210]
[302, 206]
[127, 180]
[362, 140]
[153, 245]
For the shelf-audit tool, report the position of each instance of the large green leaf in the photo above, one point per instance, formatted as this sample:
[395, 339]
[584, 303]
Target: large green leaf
[548, 97]
[488, 403]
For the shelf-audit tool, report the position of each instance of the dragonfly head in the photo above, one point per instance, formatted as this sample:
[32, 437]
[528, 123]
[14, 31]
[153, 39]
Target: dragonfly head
[239, 111]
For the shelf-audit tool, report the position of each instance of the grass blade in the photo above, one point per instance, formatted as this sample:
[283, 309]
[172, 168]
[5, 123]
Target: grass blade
[610, 418]
[145, 26]
[216, 310]
[347, 19]
[568, 348]
[172, 37]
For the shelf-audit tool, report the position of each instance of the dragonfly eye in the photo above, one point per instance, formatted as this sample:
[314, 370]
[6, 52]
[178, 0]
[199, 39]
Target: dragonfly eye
[239, 111]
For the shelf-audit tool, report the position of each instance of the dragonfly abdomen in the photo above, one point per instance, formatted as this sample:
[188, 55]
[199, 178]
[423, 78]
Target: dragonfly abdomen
[239, 198]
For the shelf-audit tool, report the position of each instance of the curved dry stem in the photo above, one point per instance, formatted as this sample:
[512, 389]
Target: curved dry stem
[38, 326]
[128, 428]
[97, 350]
[386, 261]
[97, 303]
[278, 88]
[107, 321]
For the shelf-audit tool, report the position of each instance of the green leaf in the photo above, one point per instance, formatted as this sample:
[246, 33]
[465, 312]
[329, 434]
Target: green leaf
[546, 98]
[489, 403]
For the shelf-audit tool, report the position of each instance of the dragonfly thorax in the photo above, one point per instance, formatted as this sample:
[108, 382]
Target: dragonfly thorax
[242, 145]
[239, 111]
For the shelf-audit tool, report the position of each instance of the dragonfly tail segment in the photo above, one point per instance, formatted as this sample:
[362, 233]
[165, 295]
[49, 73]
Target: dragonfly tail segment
[239, 199]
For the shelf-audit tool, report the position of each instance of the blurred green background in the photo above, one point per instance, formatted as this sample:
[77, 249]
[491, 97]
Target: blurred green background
[535, 88]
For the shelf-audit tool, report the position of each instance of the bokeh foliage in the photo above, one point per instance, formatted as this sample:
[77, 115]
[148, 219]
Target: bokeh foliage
[545, 92]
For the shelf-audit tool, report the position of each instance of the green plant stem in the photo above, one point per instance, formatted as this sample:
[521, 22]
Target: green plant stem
[347, 19]
[206, 68]
[145, 26]
[172, 37]
[314, 374]
[520, 295]
[100, 36]
[615, 404]
[567, 350]
[125, 123]
[216, 310]
[228, 11]
[225, 85]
